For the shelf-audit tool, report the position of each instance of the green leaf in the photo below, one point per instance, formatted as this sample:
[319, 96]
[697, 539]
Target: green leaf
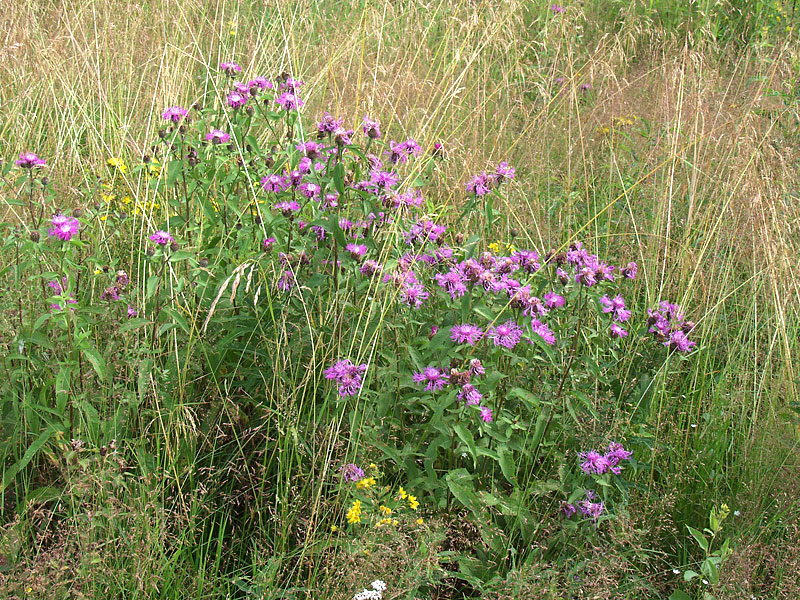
[98, 363]
[465, 435]
[699, 538]
[679, 595]
[40, 441]
[507, 466]
[173, 170]
[460, 484]
[688, 575]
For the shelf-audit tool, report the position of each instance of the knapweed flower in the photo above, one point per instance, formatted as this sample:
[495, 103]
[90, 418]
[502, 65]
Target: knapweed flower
[289, 101]
[236, 99]
[594, 462]
[217, 136]
[354, 513]
[557, 9]
[287, 208]
[230, 68]
[161, 238]
[259, 83]
[569, 509]
[629, 271]
[274, 183]
[356, 250]
[466, 334]
[309, 189]
[616, 454]
[372, 129]
[132, 312]
[111, 293]
[617, 331]
[287, 281]
[585, 87]
[470, 393]
[64, 227]
[591, 509]
[504, 171]
[432, 377]
[174, 114]
[486, 414]
[311, 149]
[343, 136]
[452, 282]
[678, 341]
[292, 84]
[268, 244]
[371, 268]
[351, 472]
[327, 124]
[553, 300]
[60, 289]
[506, 335]
[480, 184]
[347, 376]
[543, 331]
[615, 306]
[413, 294]
[475, 367]
[29, 160]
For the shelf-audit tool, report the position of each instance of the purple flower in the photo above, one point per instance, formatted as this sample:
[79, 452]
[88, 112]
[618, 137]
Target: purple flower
[399, 153]
[382, 180]
[569, 509]
[347, 375]
[268, 244]
[585, 87]
[475, 367]
[60, 289]
[372, 129]
[594, 462]
[586, 276]
[29, 160]
[506, 335]
[64, 227]
[343, 136]
[174, 114]
[616, 454]
[629, 271]
[486, 414]
[236, 99]
[311, 149]
[287, 208]
[356, 250]
[274, 183]
[413, 294]
[452, 282]
[110, 293]
[553, 300]
[504, 171]
[557, 9]
[161, 238]
[528, 260]
[287, 281]
[309, 189]
[432, 377]
[328, 124]
[591, 509]
[678, 341]
[470, 394]
[331, 200]
[480, 184]
[230, 68]
[466, 334]
[288, 101]
[371, 268]
[292, 84]
[617, 331]
[543, 331]
[351, 473]
[132, 312]
[260, 83]
[616, 307]
[217, 136]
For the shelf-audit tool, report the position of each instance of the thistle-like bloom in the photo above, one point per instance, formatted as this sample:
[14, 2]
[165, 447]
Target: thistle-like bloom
[630, 270]
[132, 312]
[260, 83]
[413, 294]
[432, 377]
[475, 367]
[617, 331]
[236, 99]
[678, 341]
[371, 268]
[480, 184]
[591, 509]
[60, 289]
[289, 101]
[615, 306]
[309, 189]
[29, 160]
[553, 300]
[452, 282]
[217, 136]
[347, 375]
[287, 281]
[274, 183]
[174, 114]
[161, 238]
[616, 454]
[287, 208]
[64, 227]
[352, 472]
[268, 244]
[504, 171]
[343, 136]
[382, 180]
[527, 260]
[557, 9]
[543, 331]
[372, 129]
[356, 250]
[327, 124]
[466, 334]
[594, 462]
[292, 84]
[230, 68]
[311, 149]
[506, 335]
[486, 414]
[569, 510]
[470, 394]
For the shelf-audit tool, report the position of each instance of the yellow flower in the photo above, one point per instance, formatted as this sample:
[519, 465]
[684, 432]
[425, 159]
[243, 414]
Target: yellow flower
[366, 483]
[494, 247]
[117, 163]
[420, 521]
[382, 522]
[334, 528]
[107, 198]
[510, 248]
[373, 466]
[395, 522]
[402, 493]
[385, 509]
[413, 503]
[354, 514]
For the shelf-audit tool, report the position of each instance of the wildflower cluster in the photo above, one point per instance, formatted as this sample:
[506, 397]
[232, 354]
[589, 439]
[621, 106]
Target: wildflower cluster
[670, 326]
[375, 593]
[384, 507]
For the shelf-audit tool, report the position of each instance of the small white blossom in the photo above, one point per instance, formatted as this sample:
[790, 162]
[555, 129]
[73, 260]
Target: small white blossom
[676, 571]
[379, 585]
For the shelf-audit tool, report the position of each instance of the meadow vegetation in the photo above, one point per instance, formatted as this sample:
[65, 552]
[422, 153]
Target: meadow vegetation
[412, 299]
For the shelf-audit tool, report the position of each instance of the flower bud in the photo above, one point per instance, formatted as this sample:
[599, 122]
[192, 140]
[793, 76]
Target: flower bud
[203, 262]
[35, 236]
[514, 232]
[45, 181]
[150, 251]
[250, 110]
[174, 246]
[77, 213]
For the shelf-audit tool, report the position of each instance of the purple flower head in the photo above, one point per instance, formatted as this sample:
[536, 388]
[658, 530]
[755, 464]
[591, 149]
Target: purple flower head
[553, 300]
[331, 200]
[174, 114]
[486, 414]
[594, 462]
[217, 136]
[64, 227]
[616, 454]
[480, 184]
[382, 180]
[292, 84]
[288, 101]
[327, 124]
[242, 88]
[370, 268]
[309, 189]
[311, 149]
[678, 341]
[586, 276]
[372, 129]
[274, 183]
[452, 282]
[29, 160]
[466, 334]
[432, 377]
[236, 99]
[342, 136]
[287, 208]
[470, 394]
[629, 271]
[615, 306]
[268, 244]
[230, 68]
[351, 473]
[569, 509]
[399, 153]
[347, 375]
[60, 289]
[475, 367]
[132, 312]
[259, 83]
[543, 331]
[161, 238]
[110, 293]
[562, 276]
[617, 331]
[557, 9]
[413, 294]
[356, 250]
[591, 509]
[527, 260]
[504, 171]
[585, 87]
[287, 281]
[506, 335]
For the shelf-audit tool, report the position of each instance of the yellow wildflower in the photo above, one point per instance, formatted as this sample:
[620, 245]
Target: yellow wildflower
[385, 509]
[402, 493]
[334, 528]
[413, 503]
[354, 514]
[366, 483]
[118, 164]
[420, 521]
[382, 522]
[494, 247]
[395, 522]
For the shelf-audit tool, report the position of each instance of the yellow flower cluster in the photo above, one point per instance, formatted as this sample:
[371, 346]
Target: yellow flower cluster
[117, 164]
[495, 247]
[387, 521]
[413, 503]
[354, 514]
[366, 483]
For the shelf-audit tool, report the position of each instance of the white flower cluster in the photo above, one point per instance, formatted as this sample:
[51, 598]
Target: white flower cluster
[376, 593]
